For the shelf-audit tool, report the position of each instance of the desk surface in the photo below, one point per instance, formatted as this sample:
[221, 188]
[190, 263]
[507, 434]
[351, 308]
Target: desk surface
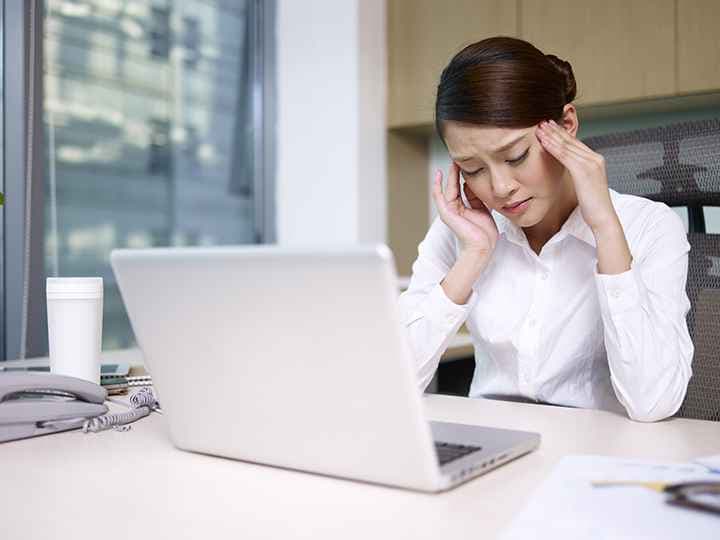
[115, 484]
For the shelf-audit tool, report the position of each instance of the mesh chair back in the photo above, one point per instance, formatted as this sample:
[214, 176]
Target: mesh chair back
[703, 396]
[679, 165]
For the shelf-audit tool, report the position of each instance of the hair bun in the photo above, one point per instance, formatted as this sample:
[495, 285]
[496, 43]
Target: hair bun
[566, 70]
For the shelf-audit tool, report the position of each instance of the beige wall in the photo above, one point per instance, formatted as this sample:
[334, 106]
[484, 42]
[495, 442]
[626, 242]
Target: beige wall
[620, 50]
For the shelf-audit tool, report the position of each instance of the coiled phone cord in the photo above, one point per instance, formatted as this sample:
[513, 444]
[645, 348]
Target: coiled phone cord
[143, 403]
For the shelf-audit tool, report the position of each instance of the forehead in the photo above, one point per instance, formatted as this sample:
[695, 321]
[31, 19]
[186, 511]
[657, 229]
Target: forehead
[471, 140]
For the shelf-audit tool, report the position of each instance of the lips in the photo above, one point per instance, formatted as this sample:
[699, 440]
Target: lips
[515, 206]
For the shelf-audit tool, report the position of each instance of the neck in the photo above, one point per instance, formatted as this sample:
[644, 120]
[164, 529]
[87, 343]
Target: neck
[539, 234]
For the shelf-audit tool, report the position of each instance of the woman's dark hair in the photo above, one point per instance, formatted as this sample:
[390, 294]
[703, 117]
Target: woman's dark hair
[503, 82]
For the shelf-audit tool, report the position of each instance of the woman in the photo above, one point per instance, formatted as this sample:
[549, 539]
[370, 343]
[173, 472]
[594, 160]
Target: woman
[573, 294]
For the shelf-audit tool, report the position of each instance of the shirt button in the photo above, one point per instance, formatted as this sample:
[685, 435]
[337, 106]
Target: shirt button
[615, 293]
[532, 323]
[544, 276]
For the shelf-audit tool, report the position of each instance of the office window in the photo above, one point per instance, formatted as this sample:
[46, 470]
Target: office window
[153, 133]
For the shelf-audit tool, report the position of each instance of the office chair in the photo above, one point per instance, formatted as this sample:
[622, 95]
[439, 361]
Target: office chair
[679, 165]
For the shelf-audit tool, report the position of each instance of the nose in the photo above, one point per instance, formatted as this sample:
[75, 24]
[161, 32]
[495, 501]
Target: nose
[503, 185]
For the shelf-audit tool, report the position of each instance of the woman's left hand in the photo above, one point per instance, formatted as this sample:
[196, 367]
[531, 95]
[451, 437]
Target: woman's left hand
[587, 169]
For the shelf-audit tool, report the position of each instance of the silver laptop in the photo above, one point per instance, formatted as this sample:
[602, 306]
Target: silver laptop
[296, 358]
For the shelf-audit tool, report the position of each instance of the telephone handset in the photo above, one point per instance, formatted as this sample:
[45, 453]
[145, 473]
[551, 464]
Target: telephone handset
[34, 404]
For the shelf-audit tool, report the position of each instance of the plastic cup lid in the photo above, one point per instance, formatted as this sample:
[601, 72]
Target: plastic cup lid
[74, 285]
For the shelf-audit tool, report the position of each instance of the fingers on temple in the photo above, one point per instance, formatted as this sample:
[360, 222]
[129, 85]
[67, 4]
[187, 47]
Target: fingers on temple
[563, 140]
[452, 191]
[437, 192]
[563, 149]
[577, 147]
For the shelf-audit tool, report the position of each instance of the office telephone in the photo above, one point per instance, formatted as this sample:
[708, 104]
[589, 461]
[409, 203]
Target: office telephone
[33, 404]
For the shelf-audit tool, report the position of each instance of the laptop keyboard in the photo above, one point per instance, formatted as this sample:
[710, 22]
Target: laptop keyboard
[447, 452]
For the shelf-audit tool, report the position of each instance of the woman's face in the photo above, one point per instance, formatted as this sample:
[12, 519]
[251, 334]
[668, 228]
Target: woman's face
[510, 171]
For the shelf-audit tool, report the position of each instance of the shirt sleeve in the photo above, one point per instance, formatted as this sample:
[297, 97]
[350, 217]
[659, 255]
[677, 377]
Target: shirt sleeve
[644, 313]
[429, 317]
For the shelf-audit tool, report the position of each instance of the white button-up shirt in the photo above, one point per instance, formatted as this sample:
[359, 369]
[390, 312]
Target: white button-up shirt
[549, 328]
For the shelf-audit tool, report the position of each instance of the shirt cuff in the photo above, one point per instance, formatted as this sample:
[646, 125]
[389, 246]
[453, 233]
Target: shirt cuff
[443, 311]
[619, 293]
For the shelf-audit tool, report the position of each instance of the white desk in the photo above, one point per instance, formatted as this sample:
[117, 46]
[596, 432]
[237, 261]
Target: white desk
[134, 484]
[114, 485]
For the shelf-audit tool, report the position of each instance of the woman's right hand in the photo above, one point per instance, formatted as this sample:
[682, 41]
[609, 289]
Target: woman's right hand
[474, 226]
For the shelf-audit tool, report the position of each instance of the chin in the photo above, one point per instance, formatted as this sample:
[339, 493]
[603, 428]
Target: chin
[529, 219]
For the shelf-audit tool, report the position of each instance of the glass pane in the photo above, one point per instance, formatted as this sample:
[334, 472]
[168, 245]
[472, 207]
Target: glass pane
[149, 140]
[682, 211]
[712, 219]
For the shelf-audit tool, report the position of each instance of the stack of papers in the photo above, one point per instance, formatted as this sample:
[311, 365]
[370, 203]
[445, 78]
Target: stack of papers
[711, 462]
[568, 506]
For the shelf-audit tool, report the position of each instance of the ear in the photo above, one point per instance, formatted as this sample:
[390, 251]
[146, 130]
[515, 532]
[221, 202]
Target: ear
[569, 119]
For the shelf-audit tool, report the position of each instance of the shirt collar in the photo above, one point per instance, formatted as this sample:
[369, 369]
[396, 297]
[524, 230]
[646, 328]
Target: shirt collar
[574, 226]
[506, 227]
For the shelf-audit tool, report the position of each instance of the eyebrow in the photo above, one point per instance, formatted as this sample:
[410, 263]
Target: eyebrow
[496, 150]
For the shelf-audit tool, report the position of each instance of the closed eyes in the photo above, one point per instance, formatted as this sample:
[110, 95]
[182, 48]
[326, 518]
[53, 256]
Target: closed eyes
[519, 159]
[515, 161]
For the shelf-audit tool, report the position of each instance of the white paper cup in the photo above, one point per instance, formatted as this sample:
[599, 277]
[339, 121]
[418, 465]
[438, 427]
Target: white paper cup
[75, 312]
